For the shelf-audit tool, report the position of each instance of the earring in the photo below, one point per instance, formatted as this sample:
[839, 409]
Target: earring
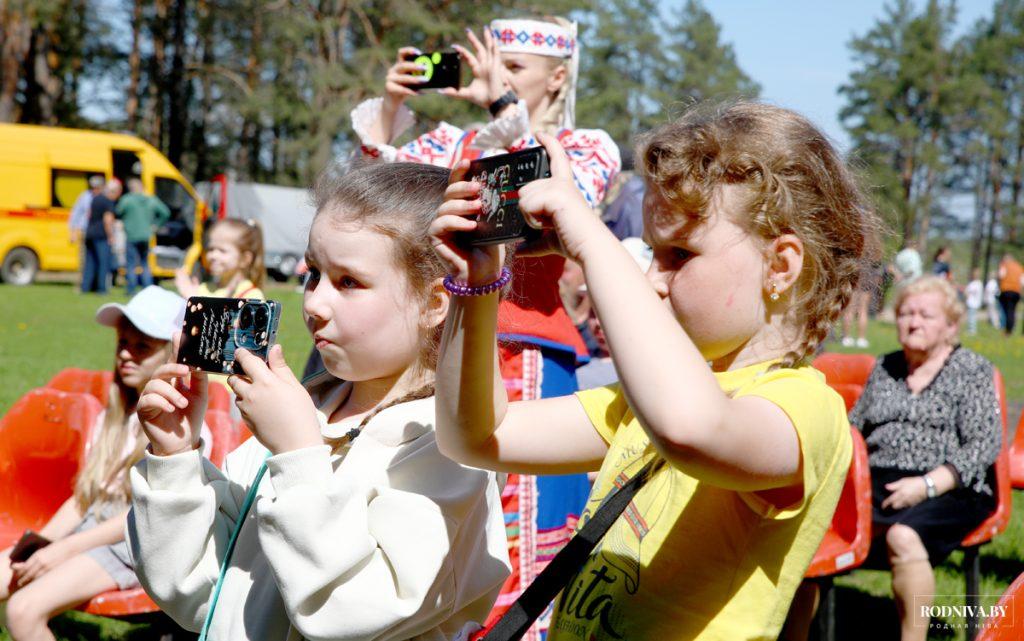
[774, 294]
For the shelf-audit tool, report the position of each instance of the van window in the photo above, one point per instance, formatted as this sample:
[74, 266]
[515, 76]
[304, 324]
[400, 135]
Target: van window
[66, 185]
[177, 199]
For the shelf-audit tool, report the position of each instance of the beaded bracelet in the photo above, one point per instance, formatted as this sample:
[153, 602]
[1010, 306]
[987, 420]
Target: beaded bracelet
[463, 289]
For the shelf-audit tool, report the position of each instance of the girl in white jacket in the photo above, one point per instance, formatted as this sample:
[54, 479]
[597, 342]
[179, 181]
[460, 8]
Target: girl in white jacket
[360, 528]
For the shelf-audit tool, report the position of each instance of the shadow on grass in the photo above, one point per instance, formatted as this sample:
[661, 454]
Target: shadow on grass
[860, 616]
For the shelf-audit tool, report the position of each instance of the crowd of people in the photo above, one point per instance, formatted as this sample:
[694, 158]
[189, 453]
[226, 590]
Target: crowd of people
[478, 404]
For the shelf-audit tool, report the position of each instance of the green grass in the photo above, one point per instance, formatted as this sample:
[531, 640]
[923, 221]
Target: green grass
[47, 327]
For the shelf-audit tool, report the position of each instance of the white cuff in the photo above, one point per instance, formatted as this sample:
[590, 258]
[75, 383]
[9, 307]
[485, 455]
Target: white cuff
[500, 133]
[306, 466]
[367, 113]
[175, 472]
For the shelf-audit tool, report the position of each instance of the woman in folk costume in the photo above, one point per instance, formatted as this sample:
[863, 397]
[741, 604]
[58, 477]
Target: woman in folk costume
[524, 74]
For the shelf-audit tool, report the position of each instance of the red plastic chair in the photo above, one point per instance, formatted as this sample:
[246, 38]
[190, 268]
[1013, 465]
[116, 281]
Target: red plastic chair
[845, 368]
[42, 441]
[83, 381]
[219, 397]
[994, 524]
[227, 435]
[1011, 626]
[1017, 456]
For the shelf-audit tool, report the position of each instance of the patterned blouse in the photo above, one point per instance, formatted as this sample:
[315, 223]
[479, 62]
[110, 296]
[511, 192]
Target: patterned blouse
[955, 420]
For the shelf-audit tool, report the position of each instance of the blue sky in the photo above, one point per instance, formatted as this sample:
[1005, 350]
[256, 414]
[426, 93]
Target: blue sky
[797, 49]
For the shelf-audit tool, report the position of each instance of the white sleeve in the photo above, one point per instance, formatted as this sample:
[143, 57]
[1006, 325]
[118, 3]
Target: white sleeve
[183, 511]
[374, 560]
[366, 114]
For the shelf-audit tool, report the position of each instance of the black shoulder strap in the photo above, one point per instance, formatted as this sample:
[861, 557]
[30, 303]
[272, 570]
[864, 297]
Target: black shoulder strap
[535, 599]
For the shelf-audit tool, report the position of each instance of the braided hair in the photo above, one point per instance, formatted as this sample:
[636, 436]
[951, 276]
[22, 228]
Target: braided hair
[426, 391]
[795, 183]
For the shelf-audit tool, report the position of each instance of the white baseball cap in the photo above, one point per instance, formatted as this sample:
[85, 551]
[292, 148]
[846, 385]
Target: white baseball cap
[154, 311]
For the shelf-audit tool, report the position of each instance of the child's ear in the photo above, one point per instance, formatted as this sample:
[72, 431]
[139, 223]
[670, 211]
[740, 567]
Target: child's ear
[436, 309]
[785, 256]
[247, 258]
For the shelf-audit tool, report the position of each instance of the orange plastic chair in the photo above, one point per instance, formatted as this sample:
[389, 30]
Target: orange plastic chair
[1017, 456]
[83, 381]
[1011, 626]
[845, 368]
[42, 441]
[219, 397]
[227, 435]
[994, 524]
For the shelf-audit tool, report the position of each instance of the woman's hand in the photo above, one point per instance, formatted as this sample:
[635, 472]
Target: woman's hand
[473, 265]
[489, 79]
[42, 561]
[274, 404]
[906, 492]
[172, 407]
[555, 205]
[401, 78]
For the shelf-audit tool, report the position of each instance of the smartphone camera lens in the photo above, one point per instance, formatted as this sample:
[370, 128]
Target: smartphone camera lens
[262, 318]
[245, 318]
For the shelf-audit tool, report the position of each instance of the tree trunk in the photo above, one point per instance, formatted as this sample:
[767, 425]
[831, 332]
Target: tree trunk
[1013, 217]
[206, 21]
[907, 182]
[42, 86]
[15, 41]
[131, 104]
[996, 184]
[157, 82]
[177, 116]
[980, 209]
[250, 148]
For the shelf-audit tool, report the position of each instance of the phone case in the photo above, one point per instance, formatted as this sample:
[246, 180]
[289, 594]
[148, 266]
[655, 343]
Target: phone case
[502, 177]
[215, 327]
[444, 69]
[29, 543]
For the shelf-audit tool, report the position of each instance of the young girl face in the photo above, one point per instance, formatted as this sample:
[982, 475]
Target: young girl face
[137, 355]
[531, 76]
[711, 271]
[223, 255]
[357, 302]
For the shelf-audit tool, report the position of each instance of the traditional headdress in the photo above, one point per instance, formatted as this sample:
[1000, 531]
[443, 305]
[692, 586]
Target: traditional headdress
[543, 39]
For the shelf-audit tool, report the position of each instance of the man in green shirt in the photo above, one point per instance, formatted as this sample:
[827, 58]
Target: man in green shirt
[140, 214]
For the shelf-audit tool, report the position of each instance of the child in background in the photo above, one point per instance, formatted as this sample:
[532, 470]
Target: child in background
[974, 294]
[758, 231]
[234, 258]
[88, 554]
[363, 529]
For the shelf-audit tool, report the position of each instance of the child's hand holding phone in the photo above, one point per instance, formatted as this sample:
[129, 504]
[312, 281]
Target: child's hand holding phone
[274, 404]
[476, 265]
[555, 205]
[172, 407]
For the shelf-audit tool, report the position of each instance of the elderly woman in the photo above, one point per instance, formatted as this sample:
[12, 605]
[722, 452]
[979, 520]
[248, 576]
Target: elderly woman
[930, 417]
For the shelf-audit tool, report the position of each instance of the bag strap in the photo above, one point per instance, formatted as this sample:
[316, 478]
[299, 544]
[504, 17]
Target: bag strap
[535, 599]
[246, 506]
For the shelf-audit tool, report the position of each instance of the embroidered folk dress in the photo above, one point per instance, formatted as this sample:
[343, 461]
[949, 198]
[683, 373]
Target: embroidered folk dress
[954, 421]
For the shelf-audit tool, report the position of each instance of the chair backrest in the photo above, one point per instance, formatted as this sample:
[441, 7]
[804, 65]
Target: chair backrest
[845, 368]
[42, 443]
[851, 521]
[1000, 517]
[1007, 627]
[227, 435]
[219, 398]
[83, 381]
[1017, 455]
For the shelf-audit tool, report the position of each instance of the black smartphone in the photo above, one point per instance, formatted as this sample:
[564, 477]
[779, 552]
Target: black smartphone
[441, 69]
[27, 545]
[215, 327]
[500, 219]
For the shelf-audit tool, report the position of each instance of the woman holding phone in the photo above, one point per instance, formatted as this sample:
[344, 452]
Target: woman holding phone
[524, 74]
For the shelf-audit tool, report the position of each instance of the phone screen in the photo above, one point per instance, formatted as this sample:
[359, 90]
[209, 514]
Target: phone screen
[442, 69]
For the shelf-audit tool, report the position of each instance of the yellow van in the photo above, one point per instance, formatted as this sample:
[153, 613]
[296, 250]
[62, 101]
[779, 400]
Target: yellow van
[44, 169]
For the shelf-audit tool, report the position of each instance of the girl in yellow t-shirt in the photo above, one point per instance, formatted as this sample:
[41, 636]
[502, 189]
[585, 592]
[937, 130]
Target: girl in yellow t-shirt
[758, 232]
[234, 258]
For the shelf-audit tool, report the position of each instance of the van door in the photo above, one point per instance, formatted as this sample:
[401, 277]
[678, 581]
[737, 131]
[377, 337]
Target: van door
[175, 237]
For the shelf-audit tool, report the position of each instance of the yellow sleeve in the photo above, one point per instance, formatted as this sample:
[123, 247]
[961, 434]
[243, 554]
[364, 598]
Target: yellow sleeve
[204, 290]
[818, 415]
[256, 292]
[605, 407]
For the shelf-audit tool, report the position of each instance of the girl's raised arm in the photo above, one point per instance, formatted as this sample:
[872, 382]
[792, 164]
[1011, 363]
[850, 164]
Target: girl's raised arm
[475, 423]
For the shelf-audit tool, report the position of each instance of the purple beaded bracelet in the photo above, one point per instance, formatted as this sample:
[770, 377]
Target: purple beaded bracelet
[463, 289]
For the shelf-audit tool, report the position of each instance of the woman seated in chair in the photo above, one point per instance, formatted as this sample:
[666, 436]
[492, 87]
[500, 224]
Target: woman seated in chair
[930, 417]
[88, 554]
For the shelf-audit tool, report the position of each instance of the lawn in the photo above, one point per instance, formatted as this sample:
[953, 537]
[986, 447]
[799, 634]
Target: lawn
[47, 327]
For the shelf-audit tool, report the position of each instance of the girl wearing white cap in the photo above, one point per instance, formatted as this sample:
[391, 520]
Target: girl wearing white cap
[88, 554]
[524, 74]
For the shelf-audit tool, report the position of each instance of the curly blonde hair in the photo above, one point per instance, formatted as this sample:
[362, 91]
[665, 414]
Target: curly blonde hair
[796, 183]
